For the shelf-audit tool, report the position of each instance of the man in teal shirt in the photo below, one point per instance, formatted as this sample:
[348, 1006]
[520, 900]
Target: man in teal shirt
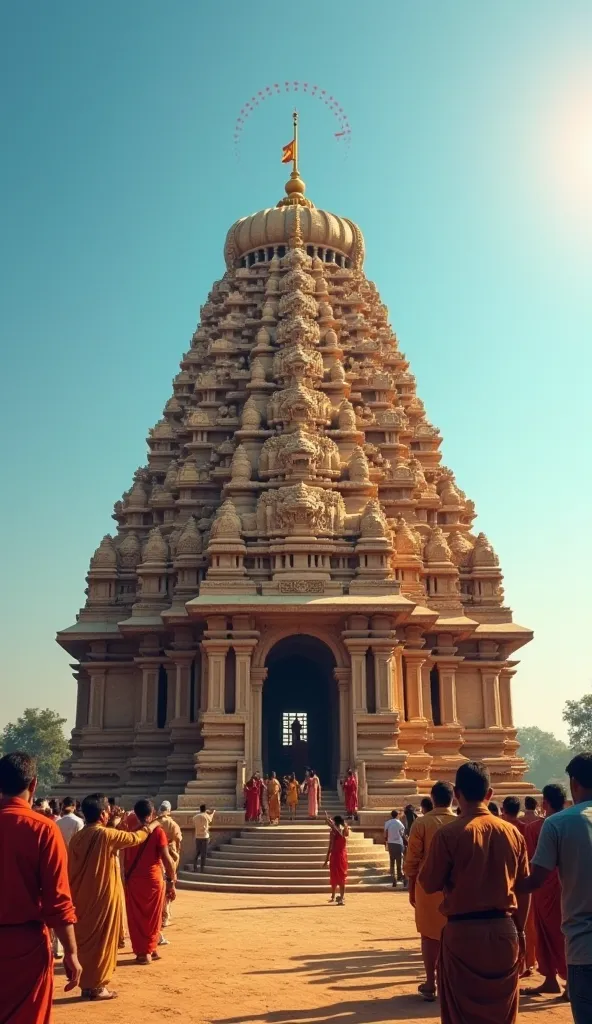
[565, 843]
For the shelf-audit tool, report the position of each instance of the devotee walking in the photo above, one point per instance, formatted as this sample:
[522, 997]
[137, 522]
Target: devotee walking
[565, 843]
[145, 886]
[97, 892]
[394, 842]
[478, 861]
[312, 788]
[545, 905]
[350, 793]
[511, 814]
[34, 897]
[252, 795]
[69, 823]
[274, 791]
[337, 856]
[428, 919]
[493, 808]
[175, 838]
[292, 795]
[410, 814]
[531, 810]
[201, 826]
[426, 804]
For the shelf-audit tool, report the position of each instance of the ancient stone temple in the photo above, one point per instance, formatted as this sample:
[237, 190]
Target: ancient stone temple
[294, 578]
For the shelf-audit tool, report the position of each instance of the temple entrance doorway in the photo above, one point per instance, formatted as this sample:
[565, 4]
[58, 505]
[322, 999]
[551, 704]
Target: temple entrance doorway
[300, 727]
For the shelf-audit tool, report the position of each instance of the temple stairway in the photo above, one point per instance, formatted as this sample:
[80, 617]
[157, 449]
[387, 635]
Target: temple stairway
[287, 858]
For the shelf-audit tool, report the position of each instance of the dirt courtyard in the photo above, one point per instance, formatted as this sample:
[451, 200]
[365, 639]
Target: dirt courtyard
[279, 960]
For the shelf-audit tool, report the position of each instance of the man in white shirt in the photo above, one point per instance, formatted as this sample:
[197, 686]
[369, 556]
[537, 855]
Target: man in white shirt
[201, 824]
[69, 823]
[565, 843]
[394, 838]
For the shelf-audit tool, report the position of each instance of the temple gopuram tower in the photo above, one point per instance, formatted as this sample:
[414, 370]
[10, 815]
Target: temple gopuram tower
[293, 548]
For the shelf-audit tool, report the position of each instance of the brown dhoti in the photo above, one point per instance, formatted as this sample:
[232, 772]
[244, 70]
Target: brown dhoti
[478, 972]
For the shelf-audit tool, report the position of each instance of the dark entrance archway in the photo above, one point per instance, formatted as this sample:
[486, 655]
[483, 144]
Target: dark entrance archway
[300, 682]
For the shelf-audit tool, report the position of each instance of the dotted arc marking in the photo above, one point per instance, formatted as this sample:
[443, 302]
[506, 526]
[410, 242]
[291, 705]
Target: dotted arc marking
[342, 133]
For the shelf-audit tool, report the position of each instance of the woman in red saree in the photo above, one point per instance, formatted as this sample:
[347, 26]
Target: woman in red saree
[337, 856]
[145, 886]
[252, 795]
[350, 794]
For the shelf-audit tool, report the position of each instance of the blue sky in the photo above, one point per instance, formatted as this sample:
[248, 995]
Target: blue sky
[470, 174]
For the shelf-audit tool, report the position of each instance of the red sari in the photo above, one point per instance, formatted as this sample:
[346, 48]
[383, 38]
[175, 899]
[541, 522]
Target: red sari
[144, 892]
[252, 794]
[546, 910]
[350, 793]
[338, 863]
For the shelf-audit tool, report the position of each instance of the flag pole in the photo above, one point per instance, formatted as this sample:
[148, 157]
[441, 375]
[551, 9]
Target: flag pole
[295, 161]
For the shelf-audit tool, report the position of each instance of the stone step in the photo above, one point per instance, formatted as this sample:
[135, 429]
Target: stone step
[236, 883]
[307, 846]
[225, 856]
[359, 871]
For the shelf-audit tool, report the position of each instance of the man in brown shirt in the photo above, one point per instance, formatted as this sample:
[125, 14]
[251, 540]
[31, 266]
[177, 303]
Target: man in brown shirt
[476, 862]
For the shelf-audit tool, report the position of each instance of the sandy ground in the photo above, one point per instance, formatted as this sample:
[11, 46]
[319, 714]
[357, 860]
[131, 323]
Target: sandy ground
[279, 960]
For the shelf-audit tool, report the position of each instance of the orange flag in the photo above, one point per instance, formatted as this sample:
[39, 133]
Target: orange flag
[288, 152]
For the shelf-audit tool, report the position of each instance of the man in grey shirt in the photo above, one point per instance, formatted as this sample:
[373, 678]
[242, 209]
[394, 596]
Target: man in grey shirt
[565, 843]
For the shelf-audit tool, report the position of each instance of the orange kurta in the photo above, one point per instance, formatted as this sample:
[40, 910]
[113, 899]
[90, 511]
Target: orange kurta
[96, 890]
[476, 862]
[428, 919]
[34, 896]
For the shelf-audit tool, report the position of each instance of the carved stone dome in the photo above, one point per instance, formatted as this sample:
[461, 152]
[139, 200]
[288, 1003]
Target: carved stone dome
[273, 227]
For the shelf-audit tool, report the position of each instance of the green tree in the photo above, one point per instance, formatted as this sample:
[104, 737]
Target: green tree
[578, 715]
[546, 756]
[41, 734]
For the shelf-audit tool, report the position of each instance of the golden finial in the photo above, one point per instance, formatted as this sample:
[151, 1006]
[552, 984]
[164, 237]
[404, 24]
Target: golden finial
[295, 187]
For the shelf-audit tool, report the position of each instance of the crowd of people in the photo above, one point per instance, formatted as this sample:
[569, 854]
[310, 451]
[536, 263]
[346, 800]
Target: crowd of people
[496, 891]
[265, 795]
[73, 875]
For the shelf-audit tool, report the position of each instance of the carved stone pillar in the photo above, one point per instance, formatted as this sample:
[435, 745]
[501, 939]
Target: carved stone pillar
[243, 650]
[216, 651]
[505, 692]
[148, 703]
[490, 679]
[147, 768]
[97, 674]
[184, 734]
[346, 731]
[357, 651]
[445, 740]
[414, 662]
[384, 672]
[182, 660]
[447, 672]
[258, 677]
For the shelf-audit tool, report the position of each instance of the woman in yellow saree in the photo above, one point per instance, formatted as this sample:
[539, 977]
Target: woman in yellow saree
[273, 799]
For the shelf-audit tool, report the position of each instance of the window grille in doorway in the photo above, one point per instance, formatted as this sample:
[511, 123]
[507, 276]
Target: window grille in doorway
[288, 718]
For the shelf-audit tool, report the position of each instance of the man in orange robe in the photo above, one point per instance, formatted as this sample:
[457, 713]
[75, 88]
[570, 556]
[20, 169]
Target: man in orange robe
[428, 919]
[97, 892]
[34, 897]
[545, 906]
[477, 861]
